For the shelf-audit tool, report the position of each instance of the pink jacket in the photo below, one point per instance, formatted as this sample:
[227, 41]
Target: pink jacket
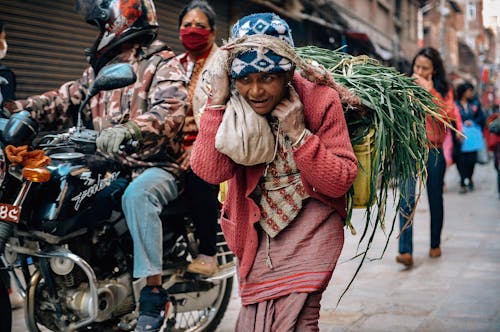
[436, 131]
[326, 162]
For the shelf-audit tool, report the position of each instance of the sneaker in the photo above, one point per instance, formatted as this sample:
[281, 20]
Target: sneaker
[406, 259]
[154, 306]
[462, 190]
[204, 265]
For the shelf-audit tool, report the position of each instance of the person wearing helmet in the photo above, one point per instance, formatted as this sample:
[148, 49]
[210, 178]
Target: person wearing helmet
[197, 34]
[150, 111]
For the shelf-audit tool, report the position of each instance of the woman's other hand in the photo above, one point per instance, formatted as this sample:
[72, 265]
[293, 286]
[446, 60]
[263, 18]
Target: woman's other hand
[290, 113]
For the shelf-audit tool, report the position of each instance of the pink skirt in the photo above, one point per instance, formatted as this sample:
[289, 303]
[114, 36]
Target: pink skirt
[295, 312]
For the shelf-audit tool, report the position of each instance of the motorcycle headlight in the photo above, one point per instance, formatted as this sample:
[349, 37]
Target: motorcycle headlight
[3, 164]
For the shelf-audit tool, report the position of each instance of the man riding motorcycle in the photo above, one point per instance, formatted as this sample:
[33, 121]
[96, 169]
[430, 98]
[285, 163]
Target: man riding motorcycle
[151, 112]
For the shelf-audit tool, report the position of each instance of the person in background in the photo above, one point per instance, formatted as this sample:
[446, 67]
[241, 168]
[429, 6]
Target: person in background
[8, 90]
[197, 33]
[428, 71]
[473, 121]
[492, 133]
[150, 111]
[278, 216]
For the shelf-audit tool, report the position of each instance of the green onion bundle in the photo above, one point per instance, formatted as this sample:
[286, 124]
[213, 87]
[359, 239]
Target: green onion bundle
[395, 107]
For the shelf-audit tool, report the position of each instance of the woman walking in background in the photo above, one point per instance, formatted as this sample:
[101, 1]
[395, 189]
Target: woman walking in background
[428, 71]
[473, 120]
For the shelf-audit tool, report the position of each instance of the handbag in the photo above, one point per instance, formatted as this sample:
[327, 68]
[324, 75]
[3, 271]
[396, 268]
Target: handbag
[474, 140]
[244, 135]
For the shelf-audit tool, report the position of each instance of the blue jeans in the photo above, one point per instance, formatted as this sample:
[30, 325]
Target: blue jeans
[142, 203]
[436, 166]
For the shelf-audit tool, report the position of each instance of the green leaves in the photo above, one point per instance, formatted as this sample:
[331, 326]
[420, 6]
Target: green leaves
[396, 107]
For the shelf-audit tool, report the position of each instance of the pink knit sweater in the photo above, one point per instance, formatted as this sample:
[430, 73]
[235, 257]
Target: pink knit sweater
[326, 162]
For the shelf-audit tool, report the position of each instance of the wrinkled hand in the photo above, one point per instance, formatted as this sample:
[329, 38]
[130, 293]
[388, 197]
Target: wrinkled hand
[184, 159]
[215, 80]
[425, 82]
[110, 139]
[290, 113]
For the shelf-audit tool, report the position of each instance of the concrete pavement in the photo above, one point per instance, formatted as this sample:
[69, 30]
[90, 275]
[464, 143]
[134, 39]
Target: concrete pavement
[459, 291]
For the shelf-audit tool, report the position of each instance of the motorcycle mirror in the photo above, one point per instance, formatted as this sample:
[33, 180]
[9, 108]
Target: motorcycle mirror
[111, 77]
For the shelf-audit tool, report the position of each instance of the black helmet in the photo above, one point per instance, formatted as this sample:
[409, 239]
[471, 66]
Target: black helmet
[119, 21]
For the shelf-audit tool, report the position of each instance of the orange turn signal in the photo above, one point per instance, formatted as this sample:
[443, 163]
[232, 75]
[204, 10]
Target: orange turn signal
[36, 174]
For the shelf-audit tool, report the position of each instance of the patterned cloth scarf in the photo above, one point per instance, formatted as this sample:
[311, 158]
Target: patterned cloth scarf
[281, 188]
[261, 60]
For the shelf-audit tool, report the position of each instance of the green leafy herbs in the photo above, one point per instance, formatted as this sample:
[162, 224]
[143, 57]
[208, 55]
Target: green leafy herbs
[395, 107]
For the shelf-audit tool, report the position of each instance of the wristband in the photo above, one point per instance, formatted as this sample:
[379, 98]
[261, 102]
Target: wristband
[300, 139]
[135, 129]
[215, 107]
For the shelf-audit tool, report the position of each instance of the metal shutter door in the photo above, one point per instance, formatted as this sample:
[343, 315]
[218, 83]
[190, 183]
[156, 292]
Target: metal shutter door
[47, 39]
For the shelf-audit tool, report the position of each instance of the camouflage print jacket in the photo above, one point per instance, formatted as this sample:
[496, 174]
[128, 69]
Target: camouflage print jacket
[154, 108]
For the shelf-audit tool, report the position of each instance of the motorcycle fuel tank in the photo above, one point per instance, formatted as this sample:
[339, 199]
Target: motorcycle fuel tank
[73, 186]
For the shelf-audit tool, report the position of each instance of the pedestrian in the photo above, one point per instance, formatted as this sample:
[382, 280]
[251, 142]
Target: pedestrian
[277, 216]
[197, 33]
[151, 111]
[473, 121]
[428, 70]
[492, 132]
[8, 90]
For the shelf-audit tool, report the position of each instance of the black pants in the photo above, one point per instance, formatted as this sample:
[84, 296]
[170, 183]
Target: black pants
[465, 166]
[204, 207]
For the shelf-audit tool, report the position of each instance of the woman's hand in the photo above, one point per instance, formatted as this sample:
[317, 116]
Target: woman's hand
[425, 82]
[290, 113]
[215, 79]
[183, 160]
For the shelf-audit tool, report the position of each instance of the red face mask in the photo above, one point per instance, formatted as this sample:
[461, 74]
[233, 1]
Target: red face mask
[194, 39]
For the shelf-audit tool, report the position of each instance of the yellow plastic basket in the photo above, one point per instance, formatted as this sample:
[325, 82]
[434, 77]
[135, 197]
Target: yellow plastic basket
[365, 152]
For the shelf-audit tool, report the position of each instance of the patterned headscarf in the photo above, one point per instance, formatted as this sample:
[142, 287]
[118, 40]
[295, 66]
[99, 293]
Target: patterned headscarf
[257, 60]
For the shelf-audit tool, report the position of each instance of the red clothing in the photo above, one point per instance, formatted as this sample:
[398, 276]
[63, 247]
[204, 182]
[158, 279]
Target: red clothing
[436, 130]
[326, 162]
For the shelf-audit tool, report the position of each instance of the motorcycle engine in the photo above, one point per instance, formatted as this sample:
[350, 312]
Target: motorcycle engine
[115, 298]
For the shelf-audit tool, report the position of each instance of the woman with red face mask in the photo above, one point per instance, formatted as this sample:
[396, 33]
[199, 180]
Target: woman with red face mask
[197, 33]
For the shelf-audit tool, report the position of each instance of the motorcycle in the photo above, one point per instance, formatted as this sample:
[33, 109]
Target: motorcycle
[63, 227]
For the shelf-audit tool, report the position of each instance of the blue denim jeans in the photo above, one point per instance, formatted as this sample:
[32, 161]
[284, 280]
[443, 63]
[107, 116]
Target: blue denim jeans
[436, 167]
[142, 203]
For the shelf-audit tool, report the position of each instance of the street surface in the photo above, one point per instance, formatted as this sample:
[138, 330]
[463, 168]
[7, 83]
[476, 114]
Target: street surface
[459, 291]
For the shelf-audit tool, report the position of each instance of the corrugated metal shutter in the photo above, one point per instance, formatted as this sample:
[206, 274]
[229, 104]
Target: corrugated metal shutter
[47, 39]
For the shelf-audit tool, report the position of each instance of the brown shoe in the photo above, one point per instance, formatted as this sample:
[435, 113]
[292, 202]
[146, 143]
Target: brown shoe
[435, 252]
[204, 265]
[405, 259]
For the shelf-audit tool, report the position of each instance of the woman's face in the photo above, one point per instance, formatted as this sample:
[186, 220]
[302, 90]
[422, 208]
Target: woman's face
[423, 67]
[196, 18]
[263, 91]
[469, 94]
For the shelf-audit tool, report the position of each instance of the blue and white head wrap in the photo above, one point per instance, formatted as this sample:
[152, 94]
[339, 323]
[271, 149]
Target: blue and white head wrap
[258, 60]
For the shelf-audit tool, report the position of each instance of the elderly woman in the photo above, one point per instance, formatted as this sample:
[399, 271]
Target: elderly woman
[282, 219]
